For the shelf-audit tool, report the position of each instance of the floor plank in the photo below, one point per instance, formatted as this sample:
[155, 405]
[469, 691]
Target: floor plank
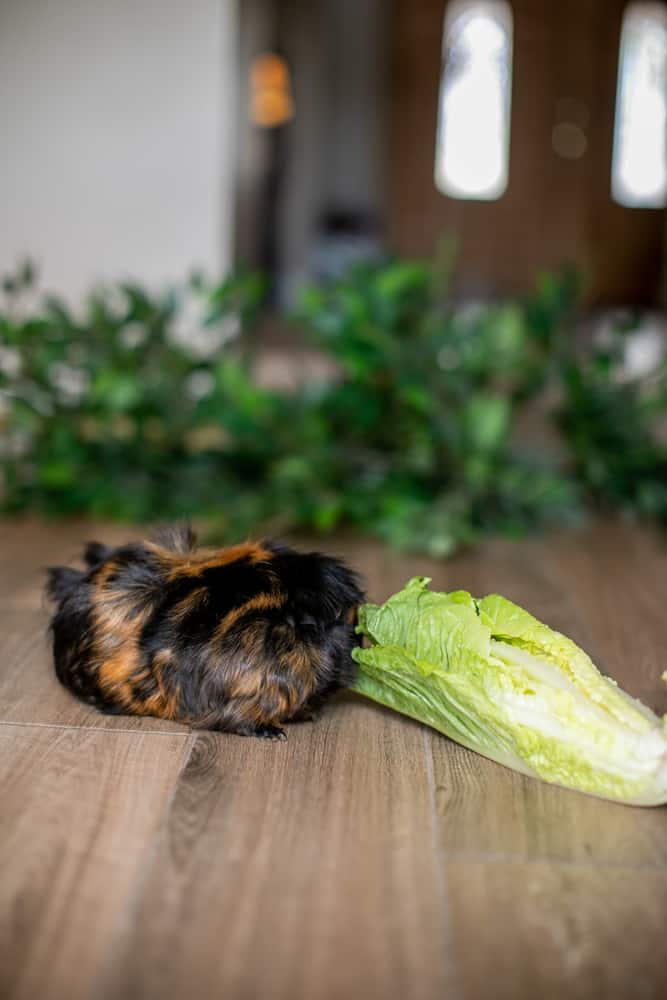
[487, 812]
[528, 930]
[299, 870]
[80, 811]
[367, 857]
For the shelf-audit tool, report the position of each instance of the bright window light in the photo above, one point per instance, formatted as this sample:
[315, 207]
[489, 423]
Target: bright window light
[473, 138]
[639, 165]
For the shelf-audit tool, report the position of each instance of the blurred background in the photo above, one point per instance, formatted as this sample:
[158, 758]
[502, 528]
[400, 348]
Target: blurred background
[393, 265]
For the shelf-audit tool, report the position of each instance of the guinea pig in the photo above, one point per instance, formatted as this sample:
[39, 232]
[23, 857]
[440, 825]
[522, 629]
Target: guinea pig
[239, 639]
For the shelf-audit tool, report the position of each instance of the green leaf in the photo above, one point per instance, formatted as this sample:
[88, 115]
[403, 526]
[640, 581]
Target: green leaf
[492, 677]
[486, 421]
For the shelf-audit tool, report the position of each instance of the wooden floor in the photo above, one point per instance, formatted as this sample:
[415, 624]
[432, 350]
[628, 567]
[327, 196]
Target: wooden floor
[366, 857]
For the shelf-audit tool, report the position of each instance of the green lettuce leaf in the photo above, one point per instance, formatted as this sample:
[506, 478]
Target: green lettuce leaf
[489, 675]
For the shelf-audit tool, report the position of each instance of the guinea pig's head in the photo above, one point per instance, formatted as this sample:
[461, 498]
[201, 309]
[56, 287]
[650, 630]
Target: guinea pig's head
[323, 597]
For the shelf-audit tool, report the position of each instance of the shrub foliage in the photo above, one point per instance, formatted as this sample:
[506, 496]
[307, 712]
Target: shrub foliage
[145, 407]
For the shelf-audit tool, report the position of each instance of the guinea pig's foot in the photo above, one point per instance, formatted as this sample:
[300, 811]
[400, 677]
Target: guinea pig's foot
[270, 733]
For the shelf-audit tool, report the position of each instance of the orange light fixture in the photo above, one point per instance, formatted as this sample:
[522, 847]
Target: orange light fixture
[271, 102]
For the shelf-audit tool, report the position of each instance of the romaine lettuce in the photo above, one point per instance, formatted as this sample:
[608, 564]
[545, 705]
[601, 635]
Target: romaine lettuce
[490, 676]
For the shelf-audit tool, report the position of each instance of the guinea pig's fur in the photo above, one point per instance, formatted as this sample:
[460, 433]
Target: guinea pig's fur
[240, 639]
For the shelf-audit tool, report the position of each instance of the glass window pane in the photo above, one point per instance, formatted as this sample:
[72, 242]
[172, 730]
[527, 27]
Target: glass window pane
[639, 166]
[472, 147]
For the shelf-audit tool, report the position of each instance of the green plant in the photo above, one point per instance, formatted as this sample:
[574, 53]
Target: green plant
[423, 417]
[144, 406]
[140, 407]
[612, 424]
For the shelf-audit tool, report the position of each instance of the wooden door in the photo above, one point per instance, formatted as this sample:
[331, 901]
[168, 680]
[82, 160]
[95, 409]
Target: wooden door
[555, 210]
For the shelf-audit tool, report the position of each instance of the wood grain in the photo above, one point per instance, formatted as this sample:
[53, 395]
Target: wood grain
[79, 814]
[529, 930]
[275, 879]
[366, 857]
[486, 812]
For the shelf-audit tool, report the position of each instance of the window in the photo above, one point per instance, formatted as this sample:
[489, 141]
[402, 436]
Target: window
[472, 147]
[639, 165]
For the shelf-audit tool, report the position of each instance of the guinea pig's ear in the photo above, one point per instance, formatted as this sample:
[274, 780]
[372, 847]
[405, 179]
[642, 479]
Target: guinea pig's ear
[342, 586]
[62, 582]
[95, 553]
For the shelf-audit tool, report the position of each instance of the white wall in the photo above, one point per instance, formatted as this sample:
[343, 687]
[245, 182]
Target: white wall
[116, 132]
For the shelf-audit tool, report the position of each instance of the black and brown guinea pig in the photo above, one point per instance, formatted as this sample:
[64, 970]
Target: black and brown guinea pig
[238, 639]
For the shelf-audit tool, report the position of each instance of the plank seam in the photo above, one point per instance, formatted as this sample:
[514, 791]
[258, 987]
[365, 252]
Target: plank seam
[453, 977]
[96, 729]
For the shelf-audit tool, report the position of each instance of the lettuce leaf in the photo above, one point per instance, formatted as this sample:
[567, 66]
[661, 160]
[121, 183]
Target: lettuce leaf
[489, 675]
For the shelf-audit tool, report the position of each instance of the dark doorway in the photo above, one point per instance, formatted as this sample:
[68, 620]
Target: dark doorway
[310, 190]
